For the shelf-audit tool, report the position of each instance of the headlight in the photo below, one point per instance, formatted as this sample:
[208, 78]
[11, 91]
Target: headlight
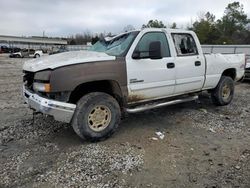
[42, 87]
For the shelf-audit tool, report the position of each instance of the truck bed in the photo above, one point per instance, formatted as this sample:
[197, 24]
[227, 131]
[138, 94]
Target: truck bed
[217, 63]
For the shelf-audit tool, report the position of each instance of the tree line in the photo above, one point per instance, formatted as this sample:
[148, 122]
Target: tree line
[232, 28]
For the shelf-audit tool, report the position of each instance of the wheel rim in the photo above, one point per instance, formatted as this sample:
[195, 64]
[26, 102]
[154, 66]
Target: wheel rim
[226, 92]
[99, 118]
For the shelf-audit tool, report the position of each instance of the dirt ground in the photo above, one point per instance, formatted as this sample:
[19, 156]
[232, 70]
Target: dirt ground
[203, 145]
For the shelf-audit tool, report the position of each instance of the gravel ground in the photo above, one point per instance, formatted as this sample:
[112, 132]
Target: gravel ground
[202, 145]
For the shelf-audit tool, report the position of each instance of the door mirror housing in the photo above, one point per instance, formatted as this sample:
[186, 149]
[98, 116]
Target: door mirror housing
[136, 54]
[155, 50]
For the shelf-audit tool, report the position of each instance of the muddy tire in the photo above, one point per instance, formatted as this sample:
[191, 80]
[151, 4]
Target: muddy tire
[96, 117]
[224, 92]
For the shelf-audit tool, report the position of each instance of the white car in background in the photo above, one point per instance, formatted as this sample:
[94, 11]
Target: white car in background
[28, 53]
[247, 71]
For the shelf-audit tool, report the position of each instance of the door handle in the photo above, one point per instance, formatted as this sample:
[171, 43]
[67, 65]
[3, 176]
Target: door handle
[170, 65]
[197, 63]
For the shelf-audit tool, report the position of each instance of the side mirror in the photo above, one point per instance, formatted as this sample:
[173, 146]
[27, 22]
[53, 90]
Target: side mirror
[136, 54]
[155, 50]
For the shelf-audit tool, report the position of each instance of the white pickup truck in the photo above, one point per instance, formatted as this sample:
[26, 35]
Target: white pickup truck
[132, 72]
[27, 53]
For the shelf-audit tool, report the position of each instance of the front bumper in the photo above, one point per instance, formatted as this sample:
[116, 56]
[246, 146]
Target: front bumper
[61, 111]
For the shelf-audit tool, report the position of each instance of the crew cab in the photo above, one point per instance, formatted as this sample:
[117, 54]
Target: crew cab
[27, 53]
[129, 73]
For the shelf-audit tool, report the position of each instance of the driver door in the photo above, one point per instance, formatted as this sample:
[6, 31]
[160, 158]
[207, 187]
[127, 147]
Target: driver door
[149, 77]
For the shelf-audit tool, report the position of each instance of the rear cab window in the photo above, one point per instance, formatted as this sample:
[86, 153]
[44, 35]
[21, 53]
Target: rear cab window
[184, 44]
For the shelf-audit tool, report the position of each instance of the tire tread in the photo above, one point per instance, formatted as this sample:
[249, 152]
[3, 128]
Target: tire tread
[79, 112]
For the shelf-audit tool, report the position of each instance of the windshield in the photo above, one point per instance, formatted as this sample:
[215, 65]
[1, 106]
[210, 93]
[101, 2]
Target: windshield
[118, 46]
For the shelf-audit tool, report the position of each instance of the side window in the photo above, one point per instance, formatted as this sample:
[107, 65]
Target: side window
[143, 45]
[184, 44]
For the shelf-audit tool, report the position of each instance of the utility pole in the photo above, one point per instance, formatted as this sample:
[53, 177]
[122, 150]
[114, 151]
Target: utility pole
[43, 37]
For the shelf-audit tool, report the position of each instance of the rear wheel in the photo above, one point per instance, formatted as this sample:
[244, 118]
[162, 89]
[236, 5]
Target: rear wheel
[224, 92]
[37, 56]
[96, 117]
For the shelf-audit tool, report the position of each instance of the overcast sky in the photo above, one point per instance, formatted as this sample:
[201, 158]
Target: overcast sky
[66, 17]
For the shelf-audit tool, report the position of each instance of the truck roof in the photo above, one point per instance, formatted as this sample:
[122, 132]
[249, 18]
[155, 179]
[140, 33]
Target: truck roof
[167, 30]
[151, 29]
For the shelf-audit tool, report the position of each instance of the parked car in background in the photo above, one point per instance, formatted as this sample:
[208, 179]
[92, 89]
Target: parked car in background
[60, 50]
[14, 50]
[4, 49]
[27, 53]
[44, 50]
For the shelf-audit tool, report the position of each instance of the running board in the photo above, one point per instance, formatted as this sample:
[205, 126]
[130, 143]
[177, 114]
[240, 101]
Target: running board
[144, 107]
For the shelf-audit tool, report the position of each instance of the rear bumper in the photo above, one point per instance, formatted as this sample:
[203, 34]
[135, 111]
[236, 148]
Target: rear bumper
[61, 111]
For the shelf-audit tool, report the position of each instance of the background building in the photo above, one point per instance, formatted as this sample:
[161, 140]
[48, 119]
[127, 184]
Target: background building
[32, 42]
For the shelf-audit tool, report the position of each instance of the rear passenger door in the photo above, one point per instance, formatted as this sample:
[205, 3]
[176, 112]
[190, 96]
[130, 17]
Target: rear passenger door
[190, 63]
[150, 78]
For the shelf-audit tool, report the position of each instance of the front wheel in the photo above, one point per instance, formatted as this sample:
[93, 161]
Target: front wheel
[96, 117]
[224, 92]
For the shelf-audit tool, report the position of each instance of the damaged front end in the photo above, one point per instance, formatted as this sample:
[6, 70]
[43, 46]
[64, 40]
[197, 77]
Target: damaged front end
[37, 94]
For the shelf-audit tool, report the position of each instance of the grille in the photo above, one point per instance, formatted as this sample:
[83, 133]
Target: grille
[28, 79]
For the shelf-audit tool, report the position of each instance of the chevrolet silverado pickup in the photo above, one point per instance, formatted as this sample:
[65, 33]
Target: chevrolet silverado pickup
[129, 73]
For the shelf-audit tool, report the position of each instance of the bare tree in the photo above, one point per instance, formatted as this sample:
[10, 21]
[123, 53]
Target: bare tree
[128, 28]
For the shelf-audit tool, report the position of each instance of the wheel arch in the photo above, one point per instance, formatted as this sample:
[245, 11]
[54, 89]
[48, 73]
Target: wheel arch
[37, 54]
[110, 87]
[231, 72]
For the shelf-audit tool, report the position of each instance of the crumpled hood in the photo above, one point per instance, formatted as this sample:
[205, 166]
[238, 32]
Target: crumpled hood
[64, 59]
